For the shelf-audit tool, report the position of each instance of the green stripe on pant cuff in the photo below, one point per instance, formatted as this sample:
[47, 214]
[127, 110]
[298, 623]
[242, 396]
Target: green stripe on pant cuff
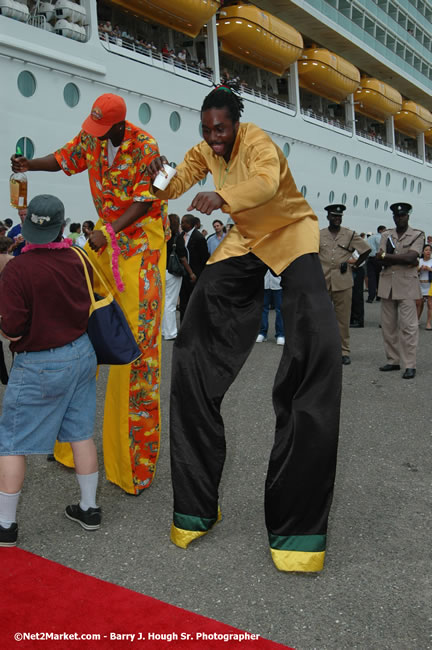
[189, 522]
[304, 543]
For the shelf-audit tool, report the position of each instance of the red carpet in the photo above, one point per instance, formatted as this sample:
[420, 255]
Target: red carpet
[46, 600]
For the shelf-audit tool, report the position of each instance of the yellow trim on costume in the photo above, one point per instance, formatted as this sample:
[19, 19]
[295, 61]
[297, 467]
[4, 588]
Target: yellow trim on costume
[297, 560]
[182, 538]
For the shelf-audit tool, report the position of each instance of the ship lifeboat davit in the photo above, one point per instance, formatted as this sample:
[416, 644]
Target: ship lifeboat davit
[376, 99]
[70, 30]
[186, 16]
[258, 38]
[67, 10]
[327, 74]
[428, 137]
[13, 9]
[413, 119]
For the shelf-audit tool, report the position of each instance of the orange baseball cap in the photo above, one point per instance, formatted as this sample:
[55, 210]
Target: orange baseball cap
[107, 110]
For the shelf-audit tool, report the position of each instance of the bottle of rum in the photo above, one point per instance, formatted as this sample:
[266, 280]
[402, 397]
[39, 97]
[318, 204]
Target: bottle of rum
[18, 188]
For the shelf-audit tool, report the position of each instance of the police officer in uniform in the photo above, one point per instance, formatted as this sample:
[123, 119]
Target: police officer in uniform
[399, 288]
[337, 245]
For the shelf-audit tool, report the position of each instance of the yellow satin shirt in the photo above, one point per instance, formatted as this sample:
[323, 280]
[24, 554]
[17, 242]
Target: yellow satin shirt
[273, 220]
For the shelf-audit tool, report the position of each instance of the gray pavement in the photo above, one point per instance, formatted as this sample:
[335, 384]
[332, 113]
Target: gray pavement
[375, 590]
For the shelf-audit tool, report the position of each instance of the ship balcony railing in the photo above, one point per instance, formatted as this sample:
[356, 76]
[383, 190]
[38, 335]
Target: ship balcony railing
[372, 137]
[407, 152]
[326, 119]
[155, 57]
[262, 96]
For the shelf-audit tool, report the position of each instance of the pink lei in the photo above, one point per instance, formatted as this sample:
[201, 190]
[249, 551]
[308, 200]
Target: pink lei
[64, 243]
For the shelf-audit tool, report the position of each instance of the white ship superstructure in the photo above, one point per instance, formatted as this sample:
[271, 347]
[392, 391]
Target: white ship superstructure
[342, 146]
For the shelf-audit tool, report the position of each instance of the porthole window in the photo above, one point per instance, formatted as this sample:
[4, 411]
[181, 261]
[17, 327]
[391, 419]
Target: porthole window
[368, 174]
[303, 190]
[344, 198]
[388, 179]
[355, 200]
[412, 185]
[366, 202]
[286, 150]
[331, 197]
[333, 165]
[144, 113]
[346, 168]
[385, 206]
[419, 188]
[404, 184]
[71, 95]
[358, 170]
[26, 83]
[376, 204]
[26, 146]
[378, 177]
[203, 181]
[175, 121]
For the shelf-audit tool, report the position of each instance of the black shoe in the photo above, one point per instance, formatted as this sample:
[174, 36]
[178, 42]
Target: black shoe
[356, 324]
[89, 519]
[50, 458]
[369, 300]
[346, 360]
[8, 536]
[409, 373]
[378, 299]
[390, 366]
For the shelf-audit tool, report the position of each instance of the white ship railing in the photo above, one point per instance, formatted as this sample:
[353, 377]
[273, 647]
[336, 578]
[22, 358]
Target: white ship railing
[331, 121]
[155, 57]
[408, 152]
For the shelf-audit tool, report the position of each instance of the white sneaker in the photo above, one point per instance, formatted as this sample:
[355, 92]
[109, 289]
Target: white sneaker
[280, 340]
[261, 338]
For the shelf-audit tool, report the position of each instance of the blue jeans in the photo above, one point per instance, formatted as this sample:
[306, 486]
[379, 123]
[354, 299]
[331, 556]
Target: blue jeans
[276, 296]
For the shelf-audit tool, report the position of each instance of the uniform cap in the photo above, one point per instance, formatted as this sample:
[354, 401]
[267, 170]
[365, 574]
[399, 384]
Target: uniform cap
[336, 208]
[106, 111]
[44, 220]
[401, 208]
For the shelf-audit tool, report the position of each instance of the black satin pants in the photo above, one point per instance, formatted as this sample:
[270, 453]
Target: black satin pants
[218, 331]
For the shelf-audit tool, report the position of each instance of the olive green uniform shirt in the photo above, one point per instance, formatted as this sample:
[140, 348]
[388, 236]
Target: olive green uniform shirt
[334, 251]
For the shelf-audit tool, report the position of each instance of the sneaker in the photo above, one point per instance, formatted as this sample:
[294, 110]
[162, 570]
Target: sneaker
[261, 338]
[8, 536]
[89, 519]
[280, 340]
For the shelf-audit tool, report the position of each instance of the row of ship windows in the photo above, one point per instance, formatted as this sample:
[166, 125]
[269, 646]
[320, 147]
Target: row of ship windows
[355, 200]
[378, 177]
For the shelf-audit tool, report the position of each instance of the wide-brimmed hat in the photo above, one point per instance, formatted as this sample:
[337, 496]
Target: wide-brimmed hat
[107, 110]
[44, 220]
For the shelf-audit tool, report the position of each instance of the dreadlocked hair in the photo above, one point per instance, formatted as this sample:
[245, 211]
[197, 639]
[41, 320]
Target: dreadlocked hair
[224, 96]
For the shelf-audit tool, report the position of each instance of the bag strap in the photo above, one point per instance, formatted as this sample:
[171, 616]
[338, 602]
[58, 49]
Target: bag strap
[83, 256]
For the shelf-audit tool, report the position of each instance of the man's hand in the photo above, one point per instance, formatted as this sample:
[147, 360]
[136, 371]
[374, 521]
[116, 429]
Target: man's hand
[19, 163]
[97, 240]
[156, 165]
[206, 202]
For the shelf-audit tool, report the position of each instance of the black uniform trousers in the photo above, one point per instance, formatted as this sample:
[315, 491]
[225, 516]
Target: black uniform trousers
[217, 334]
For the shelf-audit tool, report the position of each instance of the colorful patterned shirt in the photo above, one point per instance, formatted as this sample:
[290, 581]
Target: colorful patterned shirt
[115, 188]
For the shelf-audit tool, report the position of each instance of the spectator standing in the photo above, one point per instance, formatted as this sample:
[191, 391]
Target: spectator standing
[75, 231]
[373, 265]
[87, 229]
[425, 276]
[215, 238]
[198, 255]
[52, 389]
[399, 289]
[337, 245]
[272, 295]
[174, 282]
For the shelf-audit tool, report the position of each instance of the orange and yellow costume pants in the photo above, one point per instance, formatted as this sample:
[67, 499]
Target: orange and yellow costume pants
[131, 428]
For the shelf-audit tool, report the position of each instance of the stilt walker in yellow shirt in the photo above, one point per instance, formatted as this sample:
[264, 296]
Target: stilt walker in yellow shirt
[275, 228]
[128, 247]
